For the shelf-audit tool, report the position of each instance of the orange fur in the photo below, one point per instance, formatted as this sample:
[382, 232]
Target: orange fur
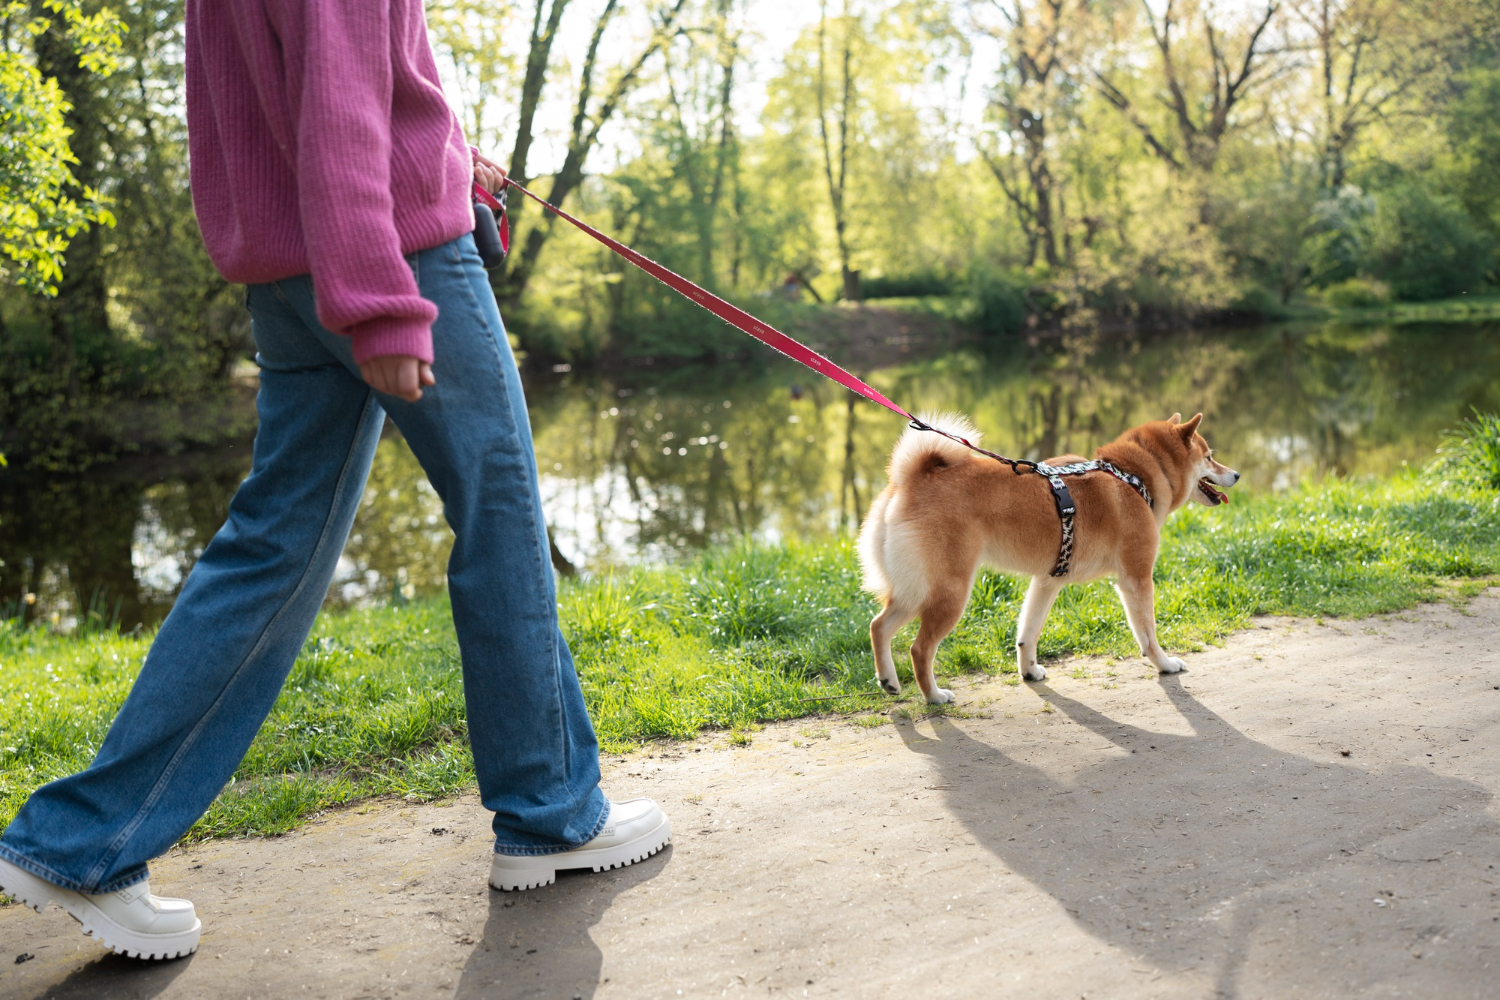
[946, 511]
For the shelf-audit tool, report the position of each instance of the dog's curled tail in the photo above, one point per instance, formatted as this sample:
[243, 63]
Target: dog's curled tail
[917, 453]
[920, 452]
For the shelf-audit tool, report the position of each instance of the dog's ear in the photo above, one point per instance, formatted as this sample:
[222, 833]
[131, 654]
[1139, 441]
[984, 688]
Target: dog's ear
[1188, 429]
[1176, 418]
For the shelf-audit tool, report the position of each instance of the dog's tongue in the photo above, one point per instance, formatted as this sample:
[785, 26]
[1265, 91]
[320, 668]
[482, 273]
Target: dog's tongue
[1216, 494]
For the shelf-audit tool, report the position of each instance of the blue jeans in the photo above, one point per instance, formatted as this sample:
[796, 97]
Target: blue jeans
[222, 655]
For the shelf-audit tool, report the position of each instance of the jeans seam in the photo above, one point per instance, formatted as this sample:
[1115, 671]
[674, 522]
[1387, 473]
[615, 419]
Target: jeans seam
[192, 737]
[538, 566]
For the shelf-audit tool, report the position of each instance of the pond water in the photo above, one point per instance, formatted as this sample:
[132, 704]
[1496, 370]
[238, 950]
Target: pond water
[644, 464]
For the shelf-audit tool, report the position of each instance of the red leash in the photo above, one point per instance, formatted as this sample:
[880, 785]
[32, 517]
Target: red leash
[733, 315]
[743, 321]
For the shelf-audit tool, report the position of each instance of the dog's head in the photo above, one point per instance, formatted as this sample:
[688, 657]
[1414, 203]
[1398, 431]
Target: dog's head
[1183, 442]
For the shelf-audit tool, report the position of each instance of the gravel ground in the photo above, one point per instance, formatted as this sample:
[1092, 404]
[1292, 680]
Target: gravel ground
[1307, 812]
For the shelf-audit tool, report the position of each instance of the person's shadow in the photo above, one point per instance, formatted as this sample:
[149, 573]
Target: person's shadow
[112, 976]
[1168, 845]
[537, 943]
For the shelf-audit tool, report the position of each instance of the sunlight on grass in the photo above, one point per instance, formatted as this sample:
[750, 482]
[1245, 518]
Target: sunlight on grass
[740, 636]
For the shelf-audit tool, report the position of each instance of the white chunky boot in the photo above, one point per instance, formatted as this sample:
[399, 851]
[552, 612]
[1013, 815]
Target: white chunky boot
[635, 830]
[131, 921]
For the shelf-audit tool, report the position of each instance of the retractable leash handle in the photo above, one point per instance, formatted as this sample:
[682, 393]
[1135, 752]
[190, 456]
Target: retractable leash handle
[491, 227]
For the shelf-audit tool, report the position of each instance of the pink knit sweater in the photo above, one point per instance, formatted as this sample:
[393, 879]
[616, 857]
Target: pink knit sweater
[320, 143]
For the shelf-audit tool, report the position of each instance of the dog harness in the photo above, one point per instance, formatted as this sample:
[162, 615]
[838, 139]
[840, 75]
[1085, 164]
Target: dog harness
[1066, 510]
[1065, 507]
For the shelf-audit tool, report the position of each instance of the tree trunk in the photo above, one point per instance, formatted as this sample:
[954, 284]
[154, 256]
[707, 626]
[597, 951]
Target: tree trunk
[584, 137]
[537, 59]
[79, 310]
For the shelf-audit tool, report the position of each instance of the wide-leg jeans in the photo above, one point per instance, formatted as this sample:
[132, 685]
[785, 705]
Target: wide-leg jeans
[223, 653]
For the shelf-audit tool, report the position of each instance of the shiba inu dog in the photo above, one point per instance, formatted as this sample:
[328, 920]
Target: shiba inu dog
[947, 510]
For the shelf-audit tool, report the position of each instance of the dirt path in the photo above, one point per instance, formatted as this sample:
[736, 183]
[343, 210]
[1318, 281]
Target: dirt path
[1307, 812]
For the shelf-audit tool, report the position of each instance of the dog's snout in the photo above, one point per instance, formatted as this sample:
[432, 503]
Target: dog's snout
[1234, 477]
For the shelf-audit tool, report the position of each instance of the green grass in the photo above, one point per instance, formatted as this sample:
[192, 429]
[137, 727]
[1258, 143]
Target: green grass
[741, 636]
[1460, 308]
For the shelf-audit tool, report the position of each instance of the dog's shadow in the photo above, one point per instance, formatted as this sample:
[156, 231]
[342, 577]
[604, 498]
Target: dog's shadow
[537, 943]
[1168, 846]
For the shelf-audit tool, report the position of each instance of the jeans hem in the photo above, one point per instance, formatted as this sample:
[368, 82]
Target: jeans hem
[528, 851]
[46, 874]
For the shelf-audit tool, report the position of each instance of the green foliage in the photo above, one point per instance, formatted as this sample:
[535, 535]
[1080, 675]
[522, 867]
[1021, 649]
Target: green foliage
[1470, 452]
[1357, 293]
[1424, 245]
[41, 205]
[135, 351]
[1003, 300]
[744, 634]
[907, 285]
[1474, 132]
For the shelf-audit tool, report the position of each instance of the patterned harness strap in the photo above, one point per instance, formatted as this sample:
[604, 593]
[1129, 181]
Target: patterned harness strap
[1066, 510]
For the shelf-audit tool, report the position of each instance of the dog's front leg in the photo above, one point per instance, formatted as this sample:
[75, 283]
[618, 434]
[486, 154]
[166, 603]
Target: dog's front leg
[1034, 610]
[1139, 597]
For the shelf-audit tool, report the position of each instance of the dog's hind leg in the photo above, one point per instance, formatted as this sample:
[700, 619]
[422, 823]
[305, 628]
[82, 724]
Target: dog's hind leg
[1039, 597]
[882, 630]
[943, 609]
[1138, 595]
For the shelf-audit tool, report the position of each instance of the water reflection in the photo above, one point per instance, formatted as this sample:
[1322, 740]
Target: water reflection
[650, 465]
[645, 467]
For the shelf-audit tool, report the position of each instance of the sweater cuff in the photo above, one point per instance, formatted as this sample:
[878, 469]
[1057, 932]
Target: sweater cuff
[391, 335]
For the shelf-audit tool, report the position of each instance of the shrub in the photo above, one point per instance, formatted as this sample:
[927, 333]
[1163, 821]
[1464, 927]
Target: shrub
[900, 286]
[1001, 299]
[1424, 246]
[1357, 293]
[1471, 452]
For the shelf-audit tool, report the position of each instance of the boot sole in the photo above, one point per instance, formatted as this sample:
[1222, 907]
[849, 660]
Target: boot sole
[509, 872]
[37, 893]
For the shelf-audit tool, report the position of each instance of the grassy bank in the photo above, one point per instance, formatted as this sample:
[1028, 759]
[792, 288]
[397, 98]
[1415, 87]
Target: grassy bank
[374, 705]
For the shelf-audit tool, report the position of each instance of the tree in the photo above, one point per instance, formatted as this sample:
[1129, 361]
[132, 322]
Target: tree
[843, 110]
[1200, 119]
[1368, 55]
[43, 205]
[590, 115]
[472, 33]
[1043, 43]
[703, 116]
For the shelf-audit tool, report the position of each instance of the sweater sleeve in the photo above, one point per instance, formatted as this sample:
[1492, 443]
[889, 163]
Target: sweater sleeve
[339, 83]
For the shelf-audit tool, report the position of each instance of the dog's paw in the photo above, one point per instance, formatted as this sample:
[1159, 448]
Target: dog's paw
[890, 686]
[940, 696]
[1035, 672]
[1171, 665]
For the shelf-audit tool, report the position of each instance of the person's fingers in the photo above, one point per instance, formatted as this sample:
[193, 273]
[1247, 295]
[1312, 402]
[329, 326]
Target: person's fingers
[492, 178]
[496, 173]
[406, 380]
[401, 377]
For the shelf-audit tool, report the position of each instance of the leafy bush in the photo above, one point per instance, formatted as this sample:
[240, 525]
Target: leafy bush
[1424, 246]
[1357, 293]
[1470, 452]
[906, 286]
[1002, 300]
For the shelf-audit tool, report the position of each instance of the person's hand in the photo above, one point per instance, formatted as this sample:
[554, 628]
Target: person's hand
[397, 375]
[488, 174]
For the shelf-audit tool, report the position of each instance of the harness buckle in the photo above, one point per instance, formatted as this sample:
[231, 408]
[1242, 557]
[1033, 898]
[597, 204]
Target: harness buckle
[1063, 497]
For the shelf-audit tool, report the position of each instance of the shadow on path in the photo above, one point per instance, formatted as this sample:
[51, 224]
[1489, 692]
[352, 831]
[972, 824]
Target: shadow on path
[114, 977]
[537, 944]
[1168, 846]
